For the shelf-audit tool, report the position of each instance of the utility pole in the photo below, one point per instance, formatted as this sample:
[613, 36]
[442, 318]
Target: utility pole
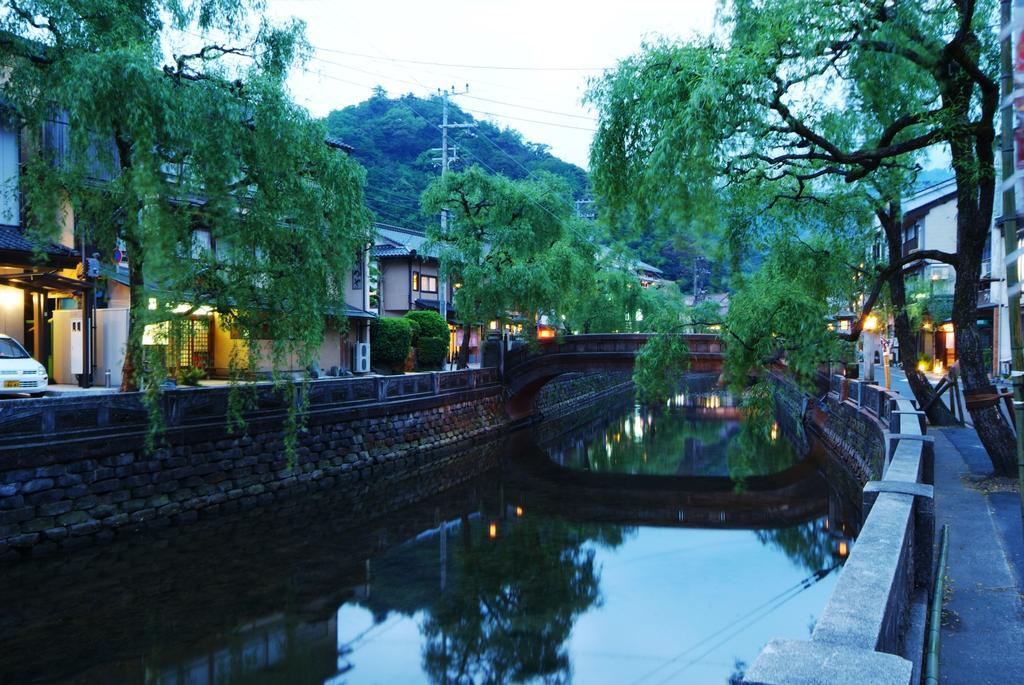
[1010, 240]
[442, 295]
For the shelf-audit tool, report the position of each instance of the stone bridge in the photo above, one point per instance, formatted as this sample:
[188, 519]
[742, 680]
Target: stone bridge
[527, 369]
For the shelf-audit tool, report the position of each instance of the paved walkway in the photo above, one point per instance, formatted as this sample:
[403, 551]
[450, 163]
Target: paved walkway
[983, 614]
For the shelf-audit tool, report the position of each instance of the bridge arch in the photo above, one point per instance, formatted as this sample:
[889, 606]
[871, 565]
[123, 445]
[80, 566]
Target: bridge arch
[528, 369]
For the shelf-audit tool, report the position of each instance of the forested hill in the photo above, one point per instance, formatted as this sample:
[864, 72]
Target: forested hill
[396, 140]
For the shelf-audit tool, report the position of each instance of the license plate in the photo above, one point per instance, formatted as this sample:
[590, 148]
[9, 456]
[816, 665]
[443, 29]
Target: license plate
[12, 384]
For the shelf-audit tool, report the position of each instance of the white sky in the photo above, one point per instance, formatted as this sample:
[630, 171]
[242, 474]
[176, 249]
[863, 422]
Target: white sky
[527, 33]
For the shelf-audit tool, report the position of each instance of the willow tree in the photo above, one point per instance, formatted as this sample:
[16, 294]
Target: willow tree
[791, 97]
[221, 189]
[511, 245]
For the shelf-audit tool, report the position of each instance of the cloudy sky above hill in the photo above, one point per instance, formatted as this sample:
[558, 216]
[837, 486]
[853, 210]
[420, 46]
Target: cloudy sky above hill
[526, 62]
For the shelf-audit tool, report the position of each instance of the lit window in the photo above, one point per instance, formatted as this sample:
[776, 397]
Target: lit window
[415, 280]
[428, 284]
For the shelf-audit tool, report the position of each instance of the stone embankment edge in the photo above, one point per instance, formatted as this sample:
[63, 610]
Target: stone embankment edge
[871, 630]
[65, 492]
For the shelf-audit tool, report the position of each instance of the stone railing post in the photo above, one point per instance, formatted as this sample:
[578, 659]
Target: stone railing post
[48, 419]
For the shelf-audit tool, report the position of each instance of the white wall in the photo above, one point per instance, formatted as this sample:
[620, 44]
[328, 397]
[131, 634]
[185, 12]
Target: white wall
[939, 228]
[12, 313]
[111, 337]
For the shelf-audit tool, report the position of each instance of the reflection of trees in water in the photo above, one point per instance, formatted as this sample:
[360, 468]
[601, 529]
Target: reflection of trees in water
[759, 448]
[672, 441]
[651, 441]
[516, 601]
[808, 545]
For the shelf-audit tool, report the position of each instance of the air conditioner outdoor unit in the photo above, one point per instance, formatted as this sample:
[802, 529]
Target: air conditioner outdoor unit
[362, 358]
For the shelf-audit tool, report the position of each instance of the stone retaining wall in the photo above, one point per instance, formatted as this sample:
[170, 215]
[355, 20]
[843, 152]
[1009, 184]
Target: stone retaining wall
[68, 491]
[65, 495]
[872, 629]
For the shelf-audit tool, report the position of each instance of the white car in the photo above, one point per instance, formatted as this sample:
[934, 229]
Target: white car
[19, 372]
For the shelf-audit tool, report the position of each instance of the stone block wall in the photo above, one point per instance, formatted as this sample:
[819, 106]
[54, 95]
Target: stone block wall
[59, 493]
[574, 391]
[855, 436]
[68, 494]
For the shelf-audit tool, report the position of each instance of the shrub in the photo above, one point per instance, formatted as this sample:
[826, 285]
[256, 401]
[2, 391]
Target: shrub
[428, 325]
[191, 375]
[391, 339]
[431, 353]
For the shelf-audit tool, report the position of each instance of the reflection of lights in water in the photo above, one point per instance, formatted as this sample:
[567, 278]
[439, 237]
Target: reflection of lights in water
[826, 524]
[775, 431]
[492, 531]
[638, 427]
[844, 549]
[519, 511]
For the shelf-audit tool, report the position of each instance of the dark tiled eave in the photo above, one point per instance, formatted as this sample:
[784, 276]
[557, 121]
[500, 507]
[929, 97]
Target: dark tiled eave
[17, 250]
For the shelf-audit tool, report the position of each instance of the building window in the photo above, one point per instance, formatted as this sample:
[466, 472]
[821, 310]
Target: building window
[910, 238]
[201, 244]
[428, 284]
[416, 280]
[10, 199]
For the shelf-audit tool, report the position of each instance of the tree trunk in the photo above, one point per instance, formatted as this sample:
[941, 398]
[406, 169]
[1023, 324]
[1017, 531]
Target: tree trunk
[974, 166]
[464, 348]
[992, 427]
[938, 413]
[132, 370]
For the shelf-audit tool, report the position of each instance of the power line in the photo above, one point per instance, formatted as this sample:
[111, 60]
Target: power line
[474, 97]
[406, 206]
[747, 620]
[458, 66]
[534, 109]
[532, 121]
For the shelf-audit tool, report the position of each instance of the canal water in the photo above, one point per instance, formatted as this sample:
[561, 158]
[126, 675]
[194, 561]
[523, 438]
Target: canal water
[653, 545]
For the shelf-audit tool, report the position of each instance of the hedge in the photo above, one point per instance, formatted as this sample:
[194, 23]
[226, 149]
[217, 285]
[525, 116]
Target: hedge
[431, 353]
[391, 339]
[429, 324]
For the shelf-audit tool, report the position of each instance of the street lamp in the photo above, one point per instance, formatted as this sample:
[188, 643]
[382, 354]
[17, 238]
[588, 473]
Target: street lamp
[869, 342]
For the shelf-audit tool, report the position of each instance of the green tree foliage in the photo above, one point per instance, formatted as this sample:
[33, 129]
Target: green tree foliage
[430, 338]
[392, 338]
[146, 145]
[782, 310]
[791, 103]
[394, 138]
[431, 353]
[511, 244]
[429, 325]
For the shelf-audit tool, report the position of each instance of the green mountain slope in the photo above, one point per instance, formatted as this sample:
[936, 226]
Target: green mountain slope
[396, 140]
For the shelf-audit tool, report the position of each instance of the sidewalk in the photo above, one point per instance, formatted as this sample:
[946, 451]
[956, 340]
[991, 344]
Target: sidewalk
[983, 612]
[899, 383]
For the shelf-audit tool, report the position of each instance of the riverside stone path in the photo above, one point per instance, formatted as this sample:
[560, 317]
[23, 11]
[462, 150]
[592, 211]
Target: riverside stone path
[983, 612]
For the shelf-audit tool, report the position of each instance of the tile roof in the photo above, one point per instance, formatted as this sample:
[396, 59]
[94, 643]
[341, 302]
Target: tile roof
[337, 144]
[12, 239]
[398, 241]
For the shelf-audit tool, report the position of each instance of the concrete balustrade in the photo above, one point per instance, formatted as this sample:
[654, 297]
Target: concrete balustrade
[872, 629]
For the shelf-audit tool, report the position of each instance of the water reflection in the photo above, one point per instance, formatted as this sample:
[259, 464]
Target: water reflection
[700, 432]
[531, 572]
